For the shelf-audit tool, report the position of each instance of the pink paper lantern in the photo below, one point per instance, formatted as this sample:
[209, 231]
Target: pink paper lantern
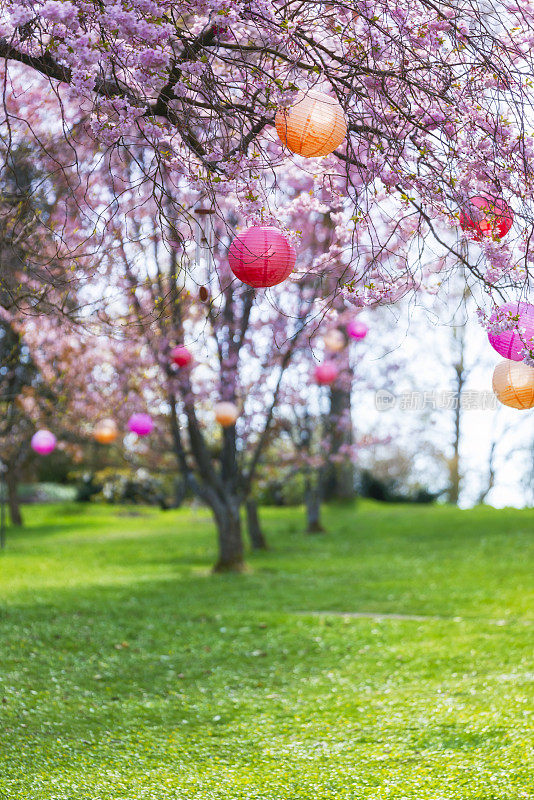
[181, 356]
[326, 373]
[486, 216]
[43, 442]
[141, 424]
[261, 257]
[357, 330]
[510, 343]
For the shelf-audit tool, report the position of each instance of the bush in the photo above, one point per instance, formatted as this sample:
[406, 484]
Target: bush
[46, 493]
[387, 490]
[126, 486]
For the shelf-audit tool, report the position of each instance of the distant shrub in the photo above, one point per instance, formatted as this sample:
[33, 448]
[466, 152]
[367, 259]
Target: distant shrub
[387, 490]
[126, 486]
[46, 493]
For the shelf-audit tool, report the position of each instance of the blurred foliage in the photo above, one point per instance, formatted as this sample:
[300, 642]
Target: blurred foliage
[137, 486]
[278, 492]
[390, 490]
[46, 493]
[54, 468]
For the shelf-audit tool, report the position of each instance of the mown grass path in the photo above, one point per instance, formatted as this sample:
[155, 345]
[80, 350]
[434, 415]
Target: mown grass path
[128, 671]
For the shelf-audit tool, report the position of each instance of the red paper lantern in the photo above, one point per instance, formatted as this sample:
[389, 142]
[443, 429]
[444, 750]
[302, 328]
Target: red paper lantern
[486, 216]
[314, 126]
[510, 343]
[261, 257]
[181, 356]
[326, 373]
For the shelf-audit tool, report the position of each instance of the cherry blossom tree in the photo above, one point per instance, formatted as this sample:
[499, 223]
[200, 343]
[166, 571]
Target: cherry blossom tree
[437, 99]
[241, 343]
[160, 111]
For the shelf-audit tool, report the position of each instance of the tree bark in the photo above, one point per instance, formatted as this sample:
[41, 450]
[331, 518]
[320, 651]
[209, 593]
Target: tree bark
[455, 475]
[228, 520]
[255, 533]
[339, 483]
[13, 499]
[312, 499]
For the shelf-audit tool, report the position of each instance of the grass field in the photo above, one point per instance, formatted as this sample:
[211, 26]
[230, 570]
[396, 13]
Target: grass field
[128, 671]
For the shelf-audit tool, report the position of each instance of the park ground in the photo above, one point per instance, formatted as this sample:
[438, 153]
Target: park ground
[127, 670]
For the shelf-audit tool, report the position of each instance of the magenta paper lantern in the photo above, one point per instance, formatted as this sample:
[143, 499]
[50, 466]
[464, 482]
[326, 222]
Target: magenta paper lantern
[510, 343]
[357, 330]
[181, 356]
[326, 373]
[141, 424]
[43, 442]
[261, 257]
[486, 216]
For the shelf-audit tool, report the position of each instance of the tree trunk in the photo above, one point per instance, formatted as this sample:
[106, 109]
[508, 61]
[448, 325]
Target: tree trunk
[339, 483]
[13, 499]
[228, 520]
[455, 475]
[255, 533]
[312, 497]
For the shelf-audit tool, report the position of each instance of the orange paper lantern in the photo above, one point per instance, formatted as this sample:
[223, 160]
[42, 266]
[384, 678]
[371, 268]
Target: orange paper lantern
[334, 341]
[226, 414]
[513, 384]
[106, 431]
[314, 126]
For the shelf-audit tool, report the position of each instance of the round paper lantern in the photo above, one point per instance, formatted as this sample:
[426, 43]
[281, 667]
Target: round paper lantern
[106, 431]
[326, 373]
[486, 216]
[513, 384]
[226, 414]
[141, 424]
[43, 442]
[334, 340]
[314, 126]
[510, 343]
[181, 356]
[357, 330]
[261, 256]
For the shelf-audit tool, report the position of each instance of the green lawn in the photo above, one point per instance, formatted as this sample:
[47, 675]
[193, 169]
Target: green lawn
[128, 671]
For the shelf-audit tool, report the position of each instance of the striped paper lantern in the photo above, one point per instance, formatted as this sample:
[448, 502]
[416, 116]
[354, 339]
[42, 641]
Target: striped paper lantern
[510, 343]
[314, 126]
[486, 216]
[261, 256]
[513, 384]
